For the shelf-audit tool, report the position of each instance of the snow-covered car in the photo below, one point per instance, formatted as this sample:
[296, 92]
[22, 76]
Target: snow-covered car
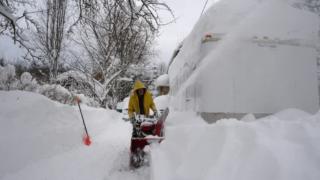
[119, 107]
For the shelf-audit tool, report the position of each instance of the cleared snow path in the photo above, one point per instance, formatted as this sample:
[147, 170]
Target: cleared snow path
[41, 139]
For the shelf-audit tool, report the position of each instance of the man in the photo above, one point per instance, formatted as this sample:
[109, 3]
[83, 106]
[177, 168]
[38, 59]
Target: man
[141, 101]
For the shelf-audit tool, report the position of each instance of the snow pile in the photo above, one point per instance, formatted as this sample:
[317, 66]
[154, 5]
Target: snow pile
[27, 82]
[269, 148]
[291, 114]
[41, 139]
[56, 93]
[162, 102]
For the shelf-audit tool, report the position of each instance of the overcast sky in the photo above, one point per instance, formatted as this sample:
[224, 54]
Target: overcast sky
[187, 12]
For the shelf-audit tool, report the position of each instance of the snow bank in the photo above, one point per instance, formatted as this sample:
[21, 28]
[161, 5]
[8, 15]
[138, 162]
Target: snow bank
[176, 118]
[41, 139]
[291, 114]
[162, 102]
[269, 148]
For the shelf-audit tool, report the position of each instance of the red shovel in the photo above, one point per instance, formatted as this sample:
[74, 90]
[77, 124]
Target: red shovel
[86, 138]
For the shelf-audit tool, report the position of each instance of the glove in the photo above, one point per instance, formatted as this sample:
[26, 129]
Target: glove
[132, 119]
[155, 114]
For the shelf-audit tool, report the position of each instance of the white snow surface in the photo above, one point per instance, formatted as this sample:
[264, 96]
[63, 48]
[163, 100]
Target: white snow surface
[162, 102]
[41, 139]
[269, 148]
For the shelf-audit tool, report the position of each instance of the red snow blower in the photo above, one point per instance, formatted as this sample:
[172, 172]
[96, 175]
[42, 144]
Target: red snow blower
[145, 132]
[86, 138]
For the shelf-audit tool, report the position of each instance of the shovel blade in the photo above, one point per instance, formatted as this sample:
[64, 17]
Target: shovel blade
[86, 140]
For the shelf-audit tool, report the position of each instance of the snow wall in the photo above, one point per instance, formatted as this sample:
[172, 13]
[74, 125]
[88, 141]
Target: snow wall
[284, 146]
[42, 139]
[252, 56]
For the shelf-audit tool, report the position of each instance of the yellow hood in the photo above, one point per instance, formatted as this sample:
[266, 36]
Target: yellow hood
[138, 85]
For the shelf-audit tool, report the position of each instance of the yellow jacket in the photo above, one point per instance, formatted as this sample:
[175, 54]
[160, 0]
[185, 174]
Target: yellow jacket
[134, 100]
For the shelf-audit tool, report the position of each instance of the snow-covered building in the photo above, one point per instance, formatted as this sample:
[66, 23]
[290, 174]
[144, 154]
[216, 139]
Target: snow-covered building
[249, 56]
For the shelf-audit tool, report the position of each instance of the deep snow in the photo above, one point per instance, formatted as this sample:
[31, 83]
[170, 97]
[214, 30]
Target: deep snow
[283, 146]
[41, 139]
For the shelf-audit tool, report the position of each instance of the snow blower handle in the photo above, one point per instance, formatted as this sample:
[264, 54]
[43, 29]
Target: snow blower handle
[156, 114]
[86, 138]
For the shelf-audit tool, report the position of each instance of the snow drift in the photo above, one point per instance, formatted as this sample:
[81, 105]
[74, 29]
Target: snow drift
[280, 147]
[42, 139]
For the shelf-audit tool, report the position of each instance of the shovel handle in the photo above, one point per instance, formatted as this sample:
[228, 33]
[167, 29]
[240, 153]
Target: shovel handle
[84, 124]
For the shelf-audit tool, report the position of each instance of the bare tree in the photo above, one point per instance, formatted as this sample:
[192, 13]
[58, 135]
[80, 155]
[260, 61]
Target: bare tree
[10, 22]
[49, 36]
[113, 41]
[6, 10]
[113, 33]
[163, 68]
[147, 10]
[310, 5]
[9, 17]
[55, 23]
[313, 5]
